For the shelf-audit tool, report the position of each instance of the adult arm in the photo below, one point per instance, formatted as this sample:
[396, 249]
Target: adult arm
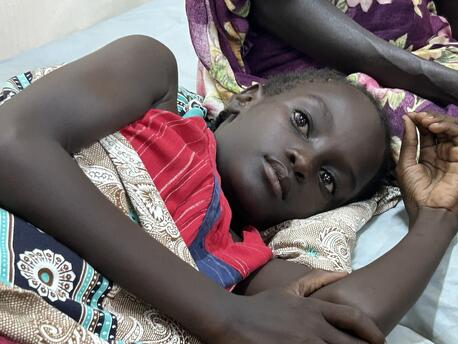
[389, 286]
[323, 32]
[77, 105]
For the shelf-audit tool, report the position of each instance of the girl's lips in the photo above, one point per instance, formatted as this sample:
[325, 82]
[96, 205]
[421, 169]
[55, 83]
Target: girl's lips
[278, 177]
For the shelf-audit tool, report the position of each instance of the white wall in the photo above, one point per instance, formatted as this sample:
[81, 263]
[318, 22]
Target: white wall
[26, 24]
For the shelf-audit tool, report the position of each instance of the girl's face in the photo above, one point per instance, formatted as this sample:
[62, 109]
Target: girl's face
[298, 153]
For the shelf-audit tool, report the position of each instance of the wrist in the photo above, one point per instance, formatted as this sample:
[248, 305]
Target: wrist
[221, 317]
[441, 219]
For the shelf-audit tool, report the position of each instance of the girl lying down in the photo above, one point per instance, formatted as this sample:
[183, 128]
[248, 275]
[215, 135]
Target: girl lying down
[288, 149]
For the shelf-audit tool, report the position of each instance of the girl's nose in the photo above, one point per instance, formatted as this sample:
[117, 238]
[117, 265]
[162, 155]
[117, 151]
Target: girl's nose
[301, 163]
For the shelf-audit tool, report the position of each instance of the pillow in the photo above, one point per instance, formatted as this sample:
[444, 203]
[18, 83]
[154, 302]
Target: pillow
[326, 241]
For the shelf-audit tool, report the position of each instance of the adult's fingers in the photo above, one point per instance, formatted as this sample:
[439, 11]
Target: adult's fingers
[353, 320]
[313, 281]
[408, 154]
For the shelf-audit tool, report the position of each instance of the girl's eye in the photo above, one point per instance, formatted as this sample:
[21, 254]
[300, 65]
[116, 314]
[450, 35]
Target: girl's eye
[300, 118]
[328, 181]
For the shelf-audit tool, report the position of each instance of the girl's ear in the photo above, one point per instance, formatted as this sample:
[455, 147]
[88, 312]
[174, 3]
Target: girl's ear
[244, 99]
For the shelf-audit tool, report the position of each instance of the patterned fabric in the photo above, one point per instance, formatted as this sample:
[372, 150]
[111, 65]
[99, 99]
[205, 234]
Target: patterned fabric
[230, 58]
[180, 157]
[326, 241]
[189, 104]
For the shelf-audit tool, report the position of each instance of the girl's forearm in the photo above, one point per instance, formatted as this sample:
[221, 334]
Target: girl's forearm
[384, 289]
[388, 287]
[323, 32]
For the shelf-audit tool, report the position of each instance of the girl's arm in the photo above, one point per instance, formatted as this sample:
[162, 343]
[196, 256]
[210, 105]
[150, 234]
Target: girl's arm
[320, 30]
[389, 286]
[39, 181]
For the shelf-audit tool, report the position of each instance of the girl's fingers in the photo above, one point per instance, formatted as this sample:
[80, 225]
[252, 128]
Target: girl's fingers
[425, 118]
[446, 166]
[408, 154]
[445, 128]
[426, 137]
[448, 152]
[437, 124]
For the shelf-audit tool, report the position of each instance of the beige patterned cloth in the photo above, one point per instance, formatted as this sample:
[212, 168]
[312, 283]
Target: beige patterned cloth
[326, 241]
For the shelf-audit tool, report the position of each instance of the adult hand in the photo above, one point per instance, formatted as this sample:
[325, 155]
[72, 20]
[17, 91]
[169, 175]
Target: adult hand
[431, 179]
[284, 315]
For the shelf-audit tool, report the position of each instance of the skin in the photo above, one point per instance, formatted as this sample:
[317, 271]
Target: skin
[324, 147]
[72, 107]
[305, 25]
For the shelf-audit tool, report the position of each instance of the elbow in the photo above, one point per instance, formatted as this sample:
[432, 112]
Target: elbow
[147, 52]
[16, 137]
[10, 136]
[152, 65]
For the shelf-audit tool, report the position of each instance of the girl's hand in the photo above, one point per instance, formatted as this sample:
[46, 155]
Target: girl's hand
[432, 180]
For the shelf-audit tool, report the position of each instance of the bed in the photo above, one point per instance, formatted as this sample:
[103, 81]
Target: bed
[434, 319]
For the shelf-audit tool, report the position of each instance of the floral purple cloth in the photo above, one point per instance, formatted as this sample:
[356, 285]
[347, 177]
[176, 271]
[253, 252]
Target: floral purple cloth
[233, 53]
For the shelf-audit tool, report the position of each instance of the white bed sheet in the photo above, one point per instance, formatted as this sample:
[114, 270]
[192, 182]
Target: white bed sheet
[166, 21]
